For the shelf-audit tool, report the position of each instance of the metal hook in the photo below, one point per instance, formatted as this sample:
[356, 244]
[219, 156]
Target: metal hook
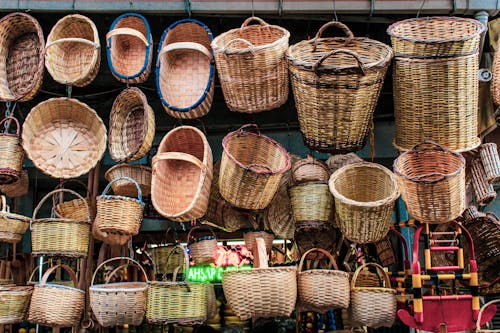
[335, 10]
[187, 6]
[280, 7]
[421, 7]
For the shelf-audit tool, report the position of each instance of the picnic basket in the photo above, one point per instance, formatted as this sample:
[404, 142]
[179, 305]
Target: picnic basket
[11, 150]
[14, 304]
[17, 188]
[12, 226]
[140, 173]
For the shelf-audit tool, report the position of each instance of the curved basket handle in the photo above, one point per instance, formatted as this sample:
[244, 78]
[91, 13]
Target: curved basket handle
[484, 307]
[316, 249]
[339, 25]
[175, 238]
[55, 199]
[255, 127]
[186, 262]
[131, 261]
[383, 274]
[114, 271]
[179, 156]
[5, 208]
[353, 54]
[15, 121]
[139, 191]
[72, 40]
[37, 208]
[200, 227]
[126, 31]
[236, 51]
[185, 46]
[68, 269]
[254, 18]
[422, 146]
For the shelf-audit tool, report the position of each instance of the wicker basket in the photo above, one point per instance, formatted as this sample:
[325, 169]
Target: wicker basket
[56, 305]
[182, 174]
[12, 226]
[140, 173]
[129, 48]
[373, 306]
[110, 238]
[185, 69]
[478, 322]
[118, 303]
[11, 150]
[309, 169]
[335, 162]
[495, 81]
[483, 190]
[312, 202]
[14, 303]
[385, 252]
[336, 84]
[18, 188]
[202, 249]
[22, 48]
[63, 137]
[73, 51]
[491, 161]
[131, 126]
[314, 234]
[251, 168]
[251, 235]
[167, 257]
[252, 67]
[75, 209]
[432, 182]
[364, 208]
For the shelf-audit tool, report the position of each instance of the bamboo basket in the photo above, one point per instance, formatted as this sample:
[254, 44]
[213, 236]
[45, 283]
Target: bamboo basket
[312, 202]
[140, 173]
[129, 48]
[364, 209]
[18, 188]
[14, 303]
[491, 161]
[12, 226]
[56, 305]
[251, 168]
[251, 236]
[202, 249]
[131, 126]
[431, 179]
[185, 69]
[22, 48]
[63, 137]
[73, 51]
[309, 169]
[182, 174]
[11, 150]
[336, 84]
[335, 162]
[480, 315]
[75, 209]
[483, 190]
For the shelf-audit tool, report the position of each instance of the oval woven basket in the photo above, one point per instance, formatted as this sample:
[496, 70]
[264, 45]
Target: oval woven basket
[312, 202]
[202, 249]
[18, 188]
[185, 69]
[22, 48]
[14, 304]
[75, 209]
[129, 48]
[252, 67]
[251, 235]
[11, 150]
[131, 126]
[309, 169]
[12, 226]
[140, 173]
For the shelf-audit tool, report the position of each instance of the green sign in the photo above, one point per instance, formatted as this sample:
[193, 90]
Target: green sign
[211, 273]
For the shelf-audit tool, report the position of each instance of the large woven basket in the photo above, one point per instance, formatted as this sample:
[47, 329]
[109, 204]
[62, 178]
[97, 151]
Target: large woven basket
[204, 248]
[11, 150]
[431, 179]
[336, 84]
[14, 303]
[129, 48]
[182, 174]
[364, 207]
[12, 226]
[252, 67]
[118, 303]
[75, 209]
[22, 48]
[73, 51]
[140, 173]
[185, 69]
[18, 188]
[312, 202]
[251, 168]
[131, 126]
[251, 236]
[63, 137]
[56, 305]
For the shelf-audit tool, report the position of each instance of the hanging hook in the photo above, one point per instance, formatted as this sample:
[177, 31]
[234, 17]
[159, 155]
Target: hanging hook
[69, 90]
[187, 7]
[420, 8]
[335, 10]
[253, 9]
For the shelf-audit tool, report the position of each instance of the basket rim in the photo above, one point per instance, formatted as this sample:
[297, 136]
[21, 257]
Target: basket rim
[14, 216]
[58, 286]
[108, 173]
[258, 270]
[462, 150]
[119, 197]
[374, 289]
[101, 287]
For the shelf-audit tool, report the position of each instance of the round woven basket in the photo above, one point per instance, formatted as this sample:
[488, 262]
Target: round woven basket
[22, 48]
[140, 173]
[309, 169]
[11, 150]
[76, 209]
[18, 188]
[14, 304]
[202, 249]
[12, 226]
[251, 235]
[312, 202]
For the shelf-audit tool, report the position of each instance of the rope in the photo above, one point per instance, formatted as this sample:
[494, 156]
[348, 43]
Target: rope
[187, 7]
[253, 9]
[372, 140]
[69, 90]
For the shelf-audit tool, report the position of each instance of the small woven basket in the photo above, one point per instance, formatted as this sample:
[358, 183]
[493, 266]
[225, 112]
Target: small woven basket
[335, 162]
[483, 189]
[18, 188]
[12, 226]
[309, 169]
[480, 315]
[140, 173]
[14, 303]
[491, 161]
[312, 202]
[75, 209]
[11, 150]
[251, 235]
[167, 257]
[202, 249]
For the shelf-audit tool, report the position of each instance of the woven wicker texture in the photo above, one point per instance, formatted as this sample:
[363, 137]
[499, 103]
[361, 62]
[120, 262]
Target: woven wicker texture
[312, 202]
[182, 174]
[483, 190]
[478, 322]
[335, 162]
[336, 84]
[490, 161]
[309, 169]
[252, 66]
[18, 188]
[129, 48]
[140, 173]
[22, 48]
[167, 257]
[73, 51]
[202, 249]
[251, 168]
[314, 234]
[56, 305]
[495, 81]
[131, 126]
[261, 292]
[432, 182]
[432, 37]
[14, 302]
[385, 252]
[251, 235]
[63, 137]
[364, 209]
[12, 226]
[11, 163]
[109, 237]
[185, 69]
[75, 209]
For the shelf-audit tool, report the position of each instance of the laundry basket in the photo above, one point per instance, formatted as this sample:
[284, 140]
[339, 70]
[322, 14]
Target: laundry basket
[12, 226]
[11, 150]
[140, 173]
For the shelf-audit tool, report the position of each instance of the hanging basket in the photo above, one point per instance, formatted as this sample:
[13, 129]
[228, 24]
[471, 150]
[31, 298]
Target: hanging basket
[75, 209]
[110, 238]
[202, 249]
[483, 190]
[129, 48]
[11, 150]
[309, 169]
[168, 256]
[22, 48]
[12, 226]
[491, 161]
[140, 173]
[14, 303]
[18, 188]
[312, 202]
[335, 162]
[251, 236]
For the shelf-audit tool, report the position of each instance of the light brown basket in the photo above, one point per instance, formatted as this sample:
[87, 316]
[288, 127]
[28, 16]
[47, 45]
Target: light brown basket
[431, 179]
[73, 51]
[14, 303]
[336, 84]
[11, 163]
[312, 202]
[75, 209]
[252, 66]
[483, 190]
[167, 257]
[309, 169]
[495, 81]
[22, 48]
[12, 226]
[110, 238]
[364, 209]
[491, 161]
[131, 126]
[202, 249]
[63, 137]
[478, 322]
[251, 235]
[140, 173]
[182, 174]
[18, 188]
[335, 162]
[55, 305]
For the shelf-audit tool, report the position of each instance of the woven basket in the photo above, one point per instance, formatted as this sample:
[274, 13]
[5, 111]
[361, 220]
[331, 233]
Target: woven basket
[251, 168]
[131, 126]
[118, 303]
[495, 81]
[73, 51]
[314, 234]
[167, 257]
[491, 161]
[432, 182]
[182, 174]
[59, 236]
[129, 48]
[11, 150]
[252, 67]
[22, 48]
[14, 303]
[202, 249]
[385, 252]
[18, 188]
[335, 162]
[336, 84]
[309, 169]
[478, 322]
[140, 173]
[34, 273]
[185, 69]
[56, 305]
[483, 190]
[75, 209]
[373, 306]
[312, 202]
[12, 226]
[63, 137]
[252, 235]
[364, 208]
[110, 238]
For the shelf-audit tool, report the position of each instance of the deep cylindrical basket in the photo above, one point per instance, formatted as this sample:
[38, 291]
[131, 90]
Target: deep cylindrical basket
[12, 226]
[75, 209]
[14, 303]
[491, 161]
[11, 150]
[431, 179]
[22, 48]
[251, 235]
[18, 188]
[336, 84]
[202, 249]
[252, 67]
[309, 169]
[140, 173]
[483, 190]
[364, 208]
[312, 202]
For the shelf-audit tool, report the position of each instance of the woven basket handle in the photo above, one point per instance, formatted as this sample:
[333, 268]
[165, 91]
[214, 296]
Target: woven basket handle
[174, 237]
[179, 156]
[353, 54]
[5, 207]
[186, 262]
[336, 24]
[15, 121]
[380, 270]
[126, 31]
[425, 145]
[242, 40]
[185, 46]
[68, 269]
[40, 204]
[139, 191]
[256, 19]
[484, 307]
[130, 260]
[254, 127]
[200, 227]
[72, 40]
[55, 198]
[326, 253]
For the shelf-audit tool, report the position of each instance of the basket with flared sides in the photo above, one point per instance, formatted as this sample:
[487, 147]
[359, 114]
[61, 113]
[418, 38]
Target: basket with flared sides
[11, 150]
[309, 169]
[252, 67]
[204, 248]
[483, 189]
[73, 51]
[251, 235]
[22, 48]
[17, 188]
[12, 226]
[312, 202]
[491, 161]
[129, 48]
[14, 303]
[140, 173]
[168, 256]
[336, 83]
[75, 209]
